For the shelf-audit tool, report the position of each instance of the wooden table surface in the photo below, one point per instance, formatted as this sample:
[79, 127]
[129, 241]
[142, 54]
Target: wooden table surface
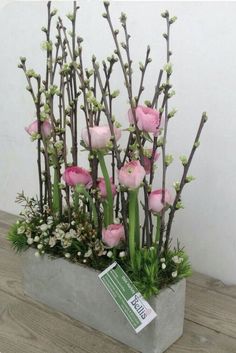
[29, 327]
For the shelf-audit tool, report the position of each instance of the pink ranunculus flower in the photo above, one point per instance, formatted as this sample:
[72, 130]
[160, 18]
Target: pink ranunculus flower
[103, 190]
[76, 175]
[147, 160]
[46, 128]
[113, 235]
[148, 119]
[131, 174]
[100, 136]
[155, 198]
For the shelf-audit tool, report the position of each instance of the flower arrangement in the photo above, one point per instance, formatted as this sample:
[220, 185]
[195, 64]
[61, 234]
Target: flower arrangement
[112, 210]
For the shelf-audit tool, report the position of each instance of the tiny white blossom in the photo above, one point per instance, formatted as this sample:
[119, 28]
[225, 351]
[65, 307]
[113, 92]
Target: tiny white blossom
[79, 253]
[73, 223]
[40, 246]
[43, 227]
[163, 266]
[52, 242]
[36, 239]
[21, 230]
[104, 252]
[109, 254]
[177, 259]
[37, 254]
[162, 259]
[84, 261]
[174, 274]
[67, 255]
[122, 254]
[88, 253]
[30, 241]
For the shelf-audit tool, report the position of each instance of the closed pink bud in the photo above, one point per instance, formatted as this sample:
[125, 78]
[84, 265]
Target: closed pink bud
[148, 119]
[147, 160]
[103, 190]
[76, 175]
[155, 200]
[100, 136]
[113, 235]
[46, 128]
[131, 174]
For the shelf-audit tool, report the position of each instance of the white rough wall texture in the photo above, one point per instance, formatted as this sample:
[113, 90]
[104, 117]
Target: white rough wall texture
[204, 47]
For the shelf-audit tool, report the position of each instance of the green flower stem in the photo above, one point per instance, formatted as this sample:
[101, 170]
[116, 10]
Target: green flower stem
[76, 201]
[109, 217]
[56, 192]
[80, 189]
[133, 199]
[106, 212]
[158, 228]
[137, 230]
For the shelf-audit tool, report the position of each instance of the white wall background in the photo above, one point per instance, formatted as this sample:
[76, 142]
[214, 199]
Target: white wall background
[204, 47]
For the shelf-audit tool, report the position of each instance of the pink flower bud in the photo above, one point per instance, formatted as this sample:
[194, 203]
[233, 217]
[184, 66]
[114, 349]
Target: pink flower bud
[76, 175]
[131, 174]
[46, 128]
[148, 119]
[147, 161]
[103, 190]
[113, 235]
[155, 200]
[100, 136]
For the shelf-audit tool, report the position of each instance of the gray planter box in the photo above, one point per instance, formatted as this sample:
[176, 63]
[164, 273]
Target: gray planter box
[77, 291]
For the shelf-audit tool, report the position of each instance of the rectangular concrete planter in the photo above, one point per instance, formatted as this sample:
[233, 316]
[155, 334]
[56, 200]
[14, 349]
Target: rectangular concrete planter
[77, 291]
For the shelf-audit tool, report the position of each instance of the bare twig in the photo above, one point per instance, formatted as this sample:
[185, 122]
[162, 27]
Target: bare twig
[184, 181]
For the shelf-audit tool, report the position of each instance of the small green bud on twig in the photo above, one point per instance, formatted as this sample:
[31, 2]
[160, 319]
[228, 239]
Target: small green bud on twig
[22, 59]
[44, 29]
[172, 113]
[184, 160]
[70, 16]
[189, 178]
[47, 45]
[168, 68]
[172, 20]
[176, 186]
[165, 35]
[115, 94]
[171, 94]
[168, 159]
[106, 3]
[31, 73]
[204, 115]
[165, 14]
[141, 66]
[123, 18]
[179, 205]
[197, 144]
[104, 15]
[148, 103]
[160, 141]
[53, 12]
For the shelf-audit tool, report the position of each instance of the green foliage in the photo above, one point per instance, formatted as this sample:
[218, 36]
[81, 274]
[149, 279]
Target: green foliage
[177, 266]
[18, 241]
[145, 272]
